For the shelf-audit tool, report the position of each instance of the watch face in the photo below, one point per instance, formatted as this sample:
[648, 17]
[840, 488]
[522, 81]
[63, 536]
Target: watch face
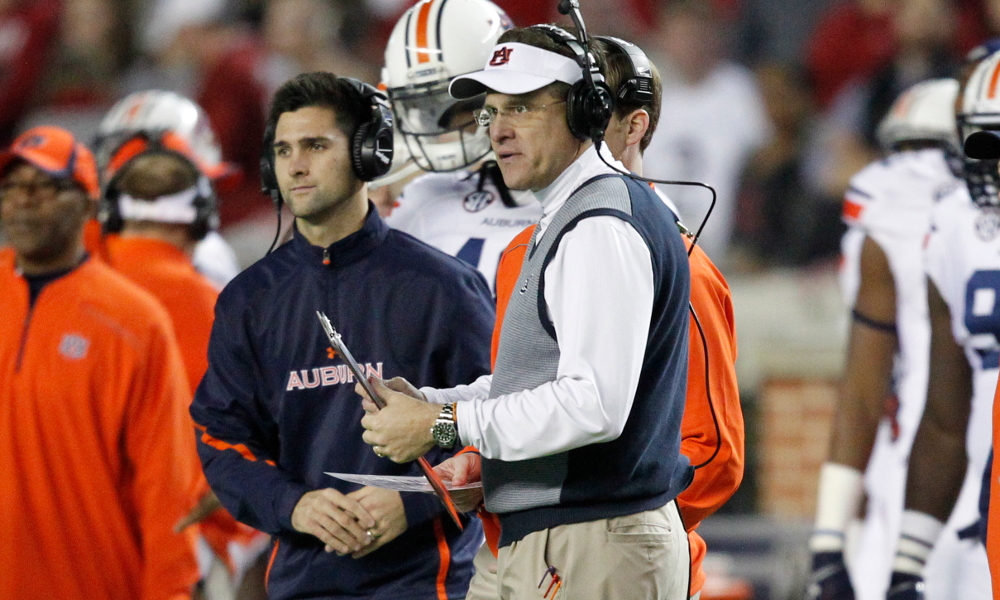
[444, 433]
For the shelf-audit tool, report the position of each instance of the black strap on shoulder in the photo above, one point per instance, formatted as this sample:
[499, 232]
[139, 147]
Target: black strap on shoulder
[872, 323]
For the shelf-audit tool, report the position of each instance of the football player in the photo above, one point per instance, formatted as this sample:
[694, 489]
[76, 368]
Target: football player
[461, 205]
[953, 439]
[980, 145]
[887, 209]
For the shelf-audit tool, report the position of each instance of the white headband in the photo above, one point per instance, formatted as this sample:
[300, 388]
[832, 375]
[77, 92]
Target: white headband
[173, 208]
[516, 68]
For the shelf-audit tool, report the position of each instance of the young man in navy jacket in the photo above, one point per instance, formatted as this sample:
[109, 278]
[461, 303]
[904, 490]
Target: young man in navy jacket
[277, 408]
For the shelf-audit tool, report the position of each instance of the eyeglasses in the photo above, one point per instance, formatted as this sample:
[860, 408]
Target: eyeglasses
[43, 188]
[517, 114]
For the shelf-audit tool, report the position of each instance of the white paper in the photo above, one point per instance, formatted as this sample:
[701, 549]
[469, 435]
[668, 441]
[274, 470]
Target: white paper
[400, 483]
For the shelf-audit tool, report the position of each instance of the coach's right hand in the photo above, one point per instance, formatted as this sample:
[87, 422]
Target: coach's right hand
[338, 521]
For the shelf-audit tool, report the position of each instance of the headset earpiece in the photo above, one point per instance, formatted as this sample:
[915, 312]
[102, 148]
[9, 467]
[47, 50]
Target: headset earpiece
[590, 103]
[371, 147]
[206, 205]
[637, 86]
[268, 179]
[589, 108]
[108, 212]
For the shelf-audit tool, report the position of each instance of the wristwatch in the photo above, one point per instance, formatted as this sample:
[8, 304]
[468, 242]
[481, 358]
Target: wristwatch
[445, 429]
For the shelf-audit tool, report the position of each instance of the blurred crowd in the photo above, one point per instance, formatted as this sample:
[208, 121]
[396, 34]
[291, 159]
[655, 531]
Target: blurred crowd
[774, 103]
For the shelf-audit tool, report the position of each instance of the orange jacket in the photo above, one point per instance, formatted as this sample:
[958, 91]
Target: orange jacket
[165, 271]
[93, 240]
[716, 481]
[97, 453]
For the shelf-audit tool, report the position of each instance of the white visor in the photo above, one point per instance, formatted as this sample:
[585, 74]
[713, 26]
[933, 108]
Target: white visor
[516, 68]
[174, 208]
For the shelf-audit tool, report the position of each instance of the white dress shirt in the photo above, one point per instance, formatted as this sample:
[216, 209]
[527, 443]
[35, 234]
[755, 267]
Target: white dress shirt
[599, 296]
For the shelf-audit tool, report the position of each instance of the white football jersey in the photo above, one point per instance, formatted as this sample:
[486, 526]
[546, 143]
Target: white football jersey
[459, 215]
[214, 258]
[963, 262]
[890, 201]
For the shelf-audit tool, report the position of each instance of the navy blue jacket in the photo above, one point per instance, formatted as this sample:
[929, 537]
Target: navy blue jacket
[277, 411]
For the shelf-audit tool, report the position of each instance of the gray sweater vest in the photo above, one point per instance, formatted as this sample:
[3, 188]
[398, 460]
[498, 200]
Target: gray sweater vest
[533, 494]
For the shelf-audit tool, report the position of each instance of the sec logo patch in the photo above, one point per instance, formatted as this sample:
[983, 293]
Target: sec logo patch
[988, 224]
[73, 346]
[477, 201]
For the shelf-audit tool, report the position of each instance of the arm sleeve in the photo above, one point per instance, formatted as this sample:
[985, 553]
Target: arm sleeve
[237, 438]
[602, 323]
[163, 467]
[477, 390]
[713, 398]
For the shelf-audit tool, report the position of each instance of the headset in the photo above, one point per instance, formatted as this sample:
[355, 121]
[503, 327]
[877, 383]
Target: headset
[205, 203]
[637, 87]
[594, 101]
[590, 103]
[371, 146]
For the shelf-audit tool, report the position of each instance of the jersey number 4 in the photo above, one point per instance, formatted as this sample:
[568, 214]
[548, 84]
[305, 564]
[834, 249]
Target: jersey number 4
[472, 251]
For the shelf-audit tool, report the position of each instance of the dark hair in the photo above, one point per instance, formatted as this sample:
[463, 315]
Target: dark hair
[616, 67]
[535, 37]
[148, 177]
[320, 89]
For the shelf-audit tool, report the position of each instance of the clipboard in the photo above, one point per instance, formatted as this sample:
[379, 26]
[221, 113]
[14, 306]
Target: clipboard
[338, 345]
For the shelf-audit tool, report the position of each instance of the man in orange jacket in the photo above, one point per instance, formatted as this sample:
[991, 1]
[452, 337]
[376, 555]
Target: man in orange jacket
[94, 439]
[157, 157]
[712, 428]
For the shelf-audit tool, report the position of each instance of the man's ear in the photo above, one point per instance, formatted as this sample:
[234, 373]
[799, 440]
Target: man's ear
[638, 123]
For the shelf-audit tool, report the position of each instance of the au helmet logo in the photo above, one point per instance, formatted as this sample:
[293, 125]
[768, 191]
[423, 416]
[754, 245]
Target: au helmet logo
[501, 56]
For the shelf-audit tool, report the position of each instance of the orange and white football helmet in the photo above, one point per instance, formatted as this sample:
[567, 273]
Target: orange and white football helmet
[432, 43]
[165, 122]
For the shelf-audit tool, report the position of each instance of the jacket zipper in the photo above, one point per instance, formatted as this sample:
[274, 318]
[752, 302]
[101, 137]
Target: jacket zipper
[326, 256]
[24, 337]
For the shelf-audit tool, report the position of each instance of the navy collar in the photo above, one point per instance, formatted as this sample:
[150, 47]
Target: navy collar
[351, 249]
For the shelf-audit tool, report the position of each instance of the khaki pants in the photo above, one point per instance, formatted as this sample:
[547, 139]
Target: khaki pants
[484, 583]
[643, 556]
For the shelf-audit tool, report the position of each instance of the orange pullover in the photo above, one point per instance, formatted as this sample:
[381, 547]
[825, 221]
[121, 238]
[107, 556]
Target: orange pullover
[165, 271]
[96, 447]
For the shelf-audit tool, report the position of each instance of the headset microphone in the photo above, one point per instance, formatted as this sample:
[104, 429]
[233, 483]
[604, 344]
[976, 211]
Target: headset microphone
[572, 8]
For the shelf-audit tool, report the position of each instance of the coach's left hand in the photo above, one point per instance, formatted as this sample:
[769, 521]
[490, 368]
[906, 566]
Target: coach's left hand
[386, 507]
[401, 431]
